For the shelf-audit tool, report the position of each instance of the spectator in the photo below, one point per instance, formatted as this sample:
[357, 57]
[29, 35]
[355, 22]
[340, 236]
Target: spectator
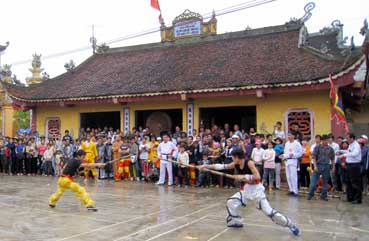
[323, 156]
[353, 163]
[336, 148]
[278, 132]
[108, 158]
[257, 156]
[296, 132]
[20, 158]
[269, 166]
[228, 182]
[204, 176]
[278, 148]
[47, 160]
[292, 152]
[364, 162]
[305, 163]
[67, 136]
[144, 149]
[135, 165]
[182, 174]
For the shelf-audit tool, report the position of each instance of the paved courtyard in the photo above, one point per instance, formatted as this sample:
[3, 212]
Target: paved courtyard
[141, 211]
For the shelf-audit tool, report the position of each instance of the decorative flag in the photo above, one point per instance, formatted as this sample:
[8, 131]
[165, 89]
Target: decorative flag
[337, 111]
[155, 5]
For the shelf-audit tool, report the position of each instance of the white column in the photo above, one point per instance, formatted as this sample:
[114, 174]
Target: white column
[190, 118]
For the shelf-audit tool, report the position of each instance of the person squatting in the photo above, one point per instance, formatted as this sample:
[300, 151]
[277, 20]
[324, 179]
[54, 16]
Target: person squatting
[252, 190]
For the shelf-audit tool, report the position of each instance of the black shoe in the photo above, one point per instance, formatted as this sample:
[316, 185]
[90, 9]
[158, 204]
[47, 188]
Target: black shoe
[91, 208]
[324, 198]
[309, 197]
[290, 193]
[52, 205]
[356, 202]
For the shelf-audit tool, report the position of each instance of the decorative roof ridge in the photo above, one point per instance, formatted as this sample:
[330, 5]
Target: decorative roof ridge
[260, 86]
[248, 33]
[330, 57]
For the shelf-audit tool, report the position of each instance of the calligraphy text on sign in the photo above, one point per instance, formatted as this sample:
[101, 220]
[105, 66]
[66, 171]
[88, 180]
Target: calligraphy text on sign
[187, 28]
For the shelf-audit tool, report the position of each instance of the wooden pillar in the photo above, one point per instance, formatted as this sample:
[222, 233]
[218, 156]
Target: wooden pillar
[33, 119]
[8, 120]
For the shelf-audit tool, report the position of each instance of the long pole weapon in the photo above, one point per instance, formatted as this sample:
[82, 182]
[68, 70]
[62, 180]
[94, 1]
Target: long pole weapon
[203, 169]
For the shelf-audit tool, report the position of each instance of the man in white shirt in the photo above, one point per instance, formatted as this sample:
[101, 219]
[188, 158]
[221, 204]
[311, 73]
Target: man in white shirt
[353, 163]
[292, 152]
[166, 150]
[336, 148]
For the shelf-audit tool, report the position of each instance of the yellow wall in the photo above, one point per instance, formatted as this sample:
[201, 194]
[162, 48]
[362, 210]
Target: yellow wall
[8, 114]
[272, 108]
[268, 110]
[69, 116]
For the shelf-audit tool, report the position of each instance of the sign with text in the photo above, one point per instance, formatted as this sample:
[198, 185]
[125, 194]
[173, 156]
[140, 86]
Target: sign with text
[187, 28]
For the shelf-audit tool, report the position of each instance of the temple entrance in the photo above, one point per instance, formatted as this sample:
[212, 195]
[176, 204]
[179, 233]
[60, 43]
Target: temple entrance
[244, 116]
[159, 120]
[100, 120]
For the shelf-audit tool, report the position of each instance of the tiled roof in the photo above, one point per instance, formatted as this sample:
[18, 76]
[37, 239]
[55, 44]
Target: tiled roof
[257, 58]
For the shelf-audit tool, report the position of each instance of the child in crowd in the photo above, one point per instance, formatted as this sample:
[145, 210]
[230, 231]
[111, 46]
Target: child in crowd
[228, 182]
[20, 158]
[59, 162]
[204, 176]
[269, 166]
[305, 163]
[342, 171]
[182, 158]
[144, 149]
[278, 148]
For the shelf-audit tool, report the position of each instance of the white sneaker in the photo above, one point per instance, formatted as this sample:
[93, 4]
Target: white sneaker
[159, 183]
[132, 179]
[138, 179]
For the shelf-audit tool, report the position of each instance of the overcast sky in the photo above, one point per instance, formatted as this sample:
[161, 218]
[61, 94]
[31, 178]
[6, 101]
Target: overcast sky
[48, 27]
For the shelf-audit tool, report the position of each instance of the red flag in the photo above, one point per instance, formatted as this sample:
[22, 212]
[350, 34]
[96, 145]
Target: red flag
[155, 4]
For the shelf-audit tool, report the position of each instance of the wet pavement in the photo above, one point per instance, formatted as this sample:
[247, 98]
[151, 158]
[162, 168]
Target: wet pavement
[143, 211]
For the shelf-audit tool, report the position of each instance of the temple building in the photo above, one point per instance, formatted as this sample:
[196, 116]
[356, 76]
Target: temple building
[195, 77]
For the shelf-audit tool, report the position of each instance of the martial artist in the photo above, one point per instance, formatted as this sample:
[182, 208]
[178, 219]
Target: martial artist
[166, 150]
[66, 181]
[292, 152]
[89, 147]
[252, 190]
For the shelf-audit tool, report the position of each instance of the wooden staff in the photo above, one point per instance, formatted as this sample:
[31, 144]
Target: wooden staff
[118, 159]
[203, 169]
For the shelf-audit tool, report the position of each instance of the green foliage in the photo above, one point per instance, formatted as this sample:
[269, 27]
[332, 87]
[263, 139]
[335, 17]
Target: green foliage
[21, 119]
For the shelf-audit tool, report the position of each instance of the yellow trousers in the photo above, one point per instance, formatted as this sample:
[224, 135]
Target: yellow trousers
[88, 169]
[65, 183]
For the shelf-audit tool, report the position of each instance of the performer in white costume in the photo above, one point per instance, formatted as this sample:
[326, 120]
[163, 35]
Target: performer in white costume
[252, 190]
[292, 152]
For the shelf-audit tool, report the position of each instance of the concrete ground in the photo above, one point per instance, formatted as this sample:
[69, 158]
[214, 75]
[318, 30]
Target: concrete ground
[142, 211]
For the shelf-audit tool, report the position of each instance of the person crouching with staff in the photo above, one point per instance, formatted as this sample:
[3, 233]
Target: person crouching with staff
[66, 181]
[252, 190]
